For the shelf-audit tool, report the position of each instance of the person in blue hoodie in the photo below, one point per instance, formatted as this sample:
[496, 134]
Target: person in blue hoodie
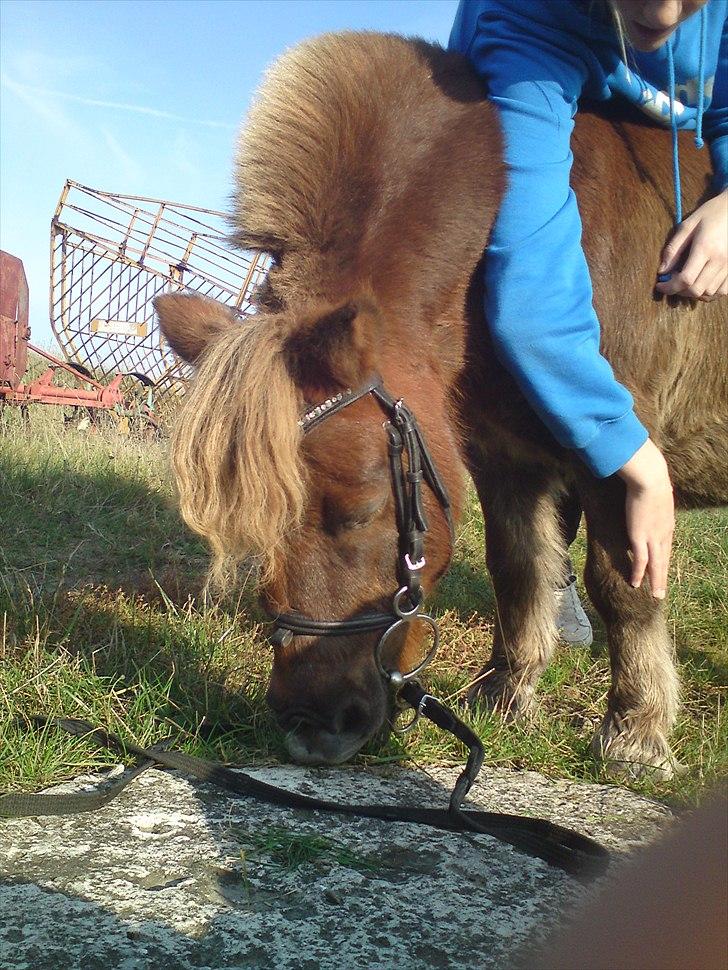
[537, 57]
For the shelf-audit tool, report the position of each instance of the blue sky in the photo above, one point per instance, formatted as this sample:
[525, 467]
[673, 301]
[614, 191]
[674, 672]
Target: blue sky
[144, 97]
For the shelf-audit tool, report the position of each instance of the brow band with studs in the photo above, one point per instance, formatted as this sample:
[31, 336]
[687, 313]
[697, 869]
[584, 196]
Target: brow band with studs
[322, 408]
[315, 415]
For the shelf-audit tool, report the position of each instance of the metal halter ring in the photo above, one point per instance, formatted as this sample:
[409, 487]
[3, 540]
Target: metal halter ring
[405, 614]
[395, 677]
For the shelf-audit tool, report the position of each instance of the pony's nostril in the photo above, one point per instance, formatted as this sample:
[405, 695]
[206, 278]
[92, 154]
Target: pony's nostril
[354, 719]
[300, 720]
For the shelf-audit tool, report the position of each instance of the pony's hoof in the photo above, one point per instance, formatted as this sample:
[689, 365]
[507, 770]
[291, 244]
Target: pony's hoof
[630, 757]
[498, 694]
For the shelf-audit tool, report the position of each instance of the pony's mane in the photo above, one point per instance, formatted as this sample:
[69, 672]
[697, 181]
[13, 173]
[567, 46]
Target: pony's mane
[309, 154]
[236, 447]
[357, 168]
[357, 143]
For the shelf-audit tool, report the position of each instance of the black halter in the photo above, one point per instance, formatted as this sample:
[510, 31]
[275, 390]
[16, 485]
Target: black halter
[404, 435]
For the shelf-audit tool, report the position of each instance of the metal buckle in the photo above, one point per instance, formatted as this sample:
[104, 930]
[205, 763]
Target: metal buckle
[415, 718]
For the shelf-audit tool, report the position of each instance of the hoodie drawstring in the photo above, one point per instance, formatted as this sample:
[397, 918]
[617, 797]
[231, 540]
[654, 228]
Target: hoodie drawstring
[673, 117]
[701, 82]
[673, 126]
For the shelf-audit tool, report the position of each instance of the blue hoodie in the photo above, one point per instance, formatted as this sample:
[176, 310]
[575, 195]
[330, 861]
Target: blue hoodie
[537, 57]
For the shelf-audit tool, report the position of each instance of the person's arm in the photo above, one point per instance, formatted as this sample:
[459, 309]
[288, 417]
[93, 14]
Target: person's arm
[697, 253]
[538, 291]
[715, 122]
[650, 516]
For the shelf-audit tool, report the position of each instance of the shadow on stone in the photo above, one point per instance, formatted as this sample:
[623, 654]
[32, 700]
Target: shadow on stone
[175, 875]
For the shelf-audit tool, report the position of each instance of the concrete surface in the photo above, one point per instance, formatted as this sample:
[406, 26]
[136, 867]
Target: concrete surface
[178, 875]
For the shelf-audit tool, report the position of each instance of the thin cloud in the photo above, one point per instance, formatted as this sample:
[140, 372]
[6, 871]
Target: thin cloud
[30, 90]
[30, 64]
[128, 167]
[183, 155]
[56, 119]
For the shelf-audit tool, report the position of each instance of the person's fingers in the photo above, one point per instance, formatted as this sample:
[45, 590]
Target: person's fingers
[680, 283]
[640, 558]
[673, 251]
[698, 289]
[657, 569]
[717, 287]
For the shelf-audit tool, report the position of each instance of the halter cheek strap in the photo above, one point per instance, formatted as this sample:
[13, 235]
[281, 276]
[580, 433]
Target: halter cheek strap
[404, 437]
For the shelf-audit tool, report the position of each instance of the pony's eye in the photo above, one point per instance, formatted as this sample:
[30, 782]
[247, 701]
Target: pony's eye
[339, 516]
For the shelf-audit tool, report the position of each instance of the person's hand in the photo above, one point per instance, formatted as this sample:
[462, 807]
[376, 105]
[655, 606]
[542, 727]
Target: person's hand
[650, 513]
[700, 245]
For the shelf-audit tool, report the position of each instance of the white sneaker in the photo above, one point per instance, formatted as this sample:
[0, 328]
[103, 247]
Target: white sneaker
[571, 620]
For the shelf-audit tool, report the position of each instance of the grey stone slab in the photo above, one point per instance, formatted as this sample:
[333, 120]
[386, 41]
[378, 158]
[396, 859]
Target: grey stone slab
[175, 875]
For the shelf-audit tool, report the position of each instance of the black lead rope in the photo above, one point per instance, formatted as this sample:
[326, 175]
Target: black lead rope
[574, 853]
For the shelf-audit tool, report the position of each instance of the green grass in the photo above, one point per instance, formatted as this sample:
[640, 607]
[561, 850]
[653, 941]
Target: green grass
[289, 849]
[102, 616]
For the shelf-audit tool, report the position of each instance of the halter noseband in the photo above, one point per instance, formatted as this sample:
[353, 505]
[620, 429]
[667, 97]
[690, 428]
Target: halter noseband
[404, 435]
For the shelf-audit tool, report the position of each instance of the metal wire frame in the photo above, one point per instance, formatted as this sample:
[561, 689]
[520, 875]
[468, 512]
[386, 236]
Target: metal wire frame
[112, 254]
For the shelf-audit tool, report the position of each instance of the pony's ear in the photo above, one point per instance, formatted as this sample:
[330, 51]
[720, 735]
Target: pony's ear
[334, 351]
[190, 322]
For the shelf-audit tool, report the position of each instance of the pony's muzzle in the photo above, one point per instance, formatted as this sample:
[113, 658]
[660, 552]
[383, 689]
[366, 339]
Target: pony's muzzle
[331, 721]
[311, 739]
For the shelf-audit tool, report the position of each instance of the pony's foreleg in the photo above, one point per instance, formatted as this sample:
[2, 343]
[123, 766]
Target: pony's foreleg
[525, 553]
[643, 699]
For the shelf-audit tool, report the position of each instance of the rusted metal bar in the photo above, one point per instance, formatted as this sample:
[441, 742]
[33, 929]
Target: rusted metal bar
[43, 391]
[160, 213]
[64, 366]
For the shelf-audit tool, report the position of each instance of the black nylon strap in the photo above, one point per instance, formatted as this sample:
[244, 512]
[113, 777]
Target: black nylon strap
[558, 846]
[73, 803]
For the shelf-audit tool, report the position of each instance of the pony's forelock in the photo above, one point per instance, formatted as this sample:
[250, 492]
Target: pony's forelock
[236, 449]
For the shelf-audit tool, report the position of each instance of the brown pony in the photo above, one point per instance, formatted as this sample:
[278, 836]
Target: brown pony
[370, 167]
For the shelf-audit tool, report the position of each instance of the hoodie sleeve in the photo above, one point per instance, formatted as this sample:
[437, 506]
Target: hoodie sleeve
[715, 121]
[538, 292]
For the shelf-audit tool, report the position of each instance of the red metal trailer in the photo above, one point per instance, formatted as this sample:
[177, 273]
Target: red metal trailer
[14, 347]
[14, 329]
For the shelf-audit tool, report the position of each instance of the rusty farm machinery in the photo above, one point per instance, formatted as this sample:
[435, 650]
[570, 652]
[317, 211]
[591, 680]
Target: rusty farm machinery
[111, 255]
